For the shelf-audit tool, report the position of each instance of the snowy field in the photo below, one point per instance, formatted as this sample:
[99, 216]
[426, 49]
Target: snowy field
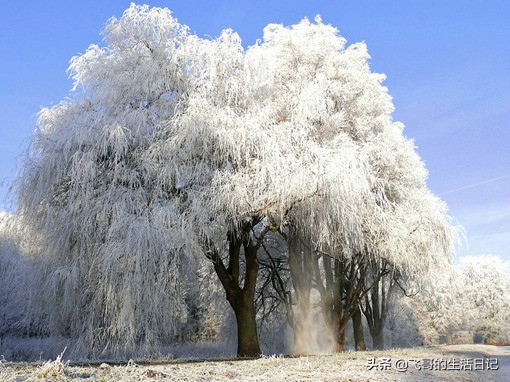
[388, 365]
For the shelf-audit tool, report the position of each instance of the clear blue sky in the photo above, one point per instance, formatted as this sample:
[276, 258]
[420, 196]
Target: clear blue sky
[447, 62]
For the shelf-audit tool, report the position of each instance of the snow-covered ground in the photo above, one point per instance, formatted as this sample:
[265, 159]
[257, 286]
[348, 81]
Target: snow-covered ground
[420, 364]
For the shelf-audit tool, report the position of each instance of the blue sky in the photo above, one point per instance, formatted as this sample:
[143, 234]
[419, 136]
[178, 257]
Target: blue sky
[447, 62]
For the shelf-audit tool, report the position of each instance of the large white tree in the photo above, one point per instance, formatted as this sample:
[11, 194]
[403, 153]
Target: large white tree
[175, 149]
[169, 150]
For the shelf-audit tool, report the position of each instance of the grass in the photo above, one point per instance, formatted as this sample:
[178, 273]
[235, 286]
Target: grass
[344, 367]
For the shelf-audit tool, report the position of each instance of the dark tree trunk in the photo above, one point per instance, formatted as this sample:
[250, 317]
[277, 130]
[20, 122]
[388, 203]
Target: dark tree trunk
[242, 299]
[344, 283]
[375, 308]
[340, 284]
[377, 334]
[357, 325]
[247, 337]
[375, 319]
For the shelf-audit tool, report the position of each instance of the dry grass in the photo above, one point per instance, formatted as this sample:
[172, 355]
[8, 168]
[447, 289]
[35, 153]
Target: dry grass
[344, 367]
[53, 370]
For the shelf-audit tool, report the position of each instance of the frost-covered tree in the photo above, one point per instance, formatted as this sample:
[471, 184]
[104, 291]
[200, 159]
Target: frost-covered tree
[175, 150]
[435, 313]
[410, 236]
[467, 303]
[324, 87]
[482, 290]
[110, 252]
[170, 149]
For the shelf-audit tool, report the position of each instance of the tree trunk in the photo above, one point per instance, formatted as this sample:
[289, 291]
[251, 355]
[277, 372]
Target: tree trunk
[339, 338]
[247, 337]
[242, 299]
[357, 325]
[377, 334]
[375, 308]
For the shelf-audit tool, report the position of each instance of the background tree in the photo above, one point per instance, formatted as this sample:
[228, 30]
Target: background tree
[468, 303]
[482, 288]
[325, 88]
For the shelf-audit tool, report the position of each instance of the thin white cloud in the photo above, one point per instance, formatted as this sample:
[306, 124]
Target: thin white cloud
[475, 184]
[487, 216]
